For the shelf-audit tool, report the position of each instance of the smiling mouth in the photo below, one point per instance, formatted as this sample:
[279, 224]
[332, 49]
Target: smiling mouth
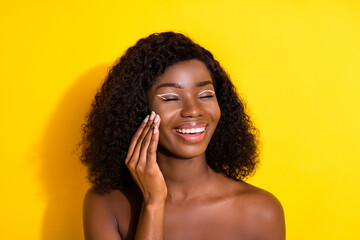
[190, 130]
[191, 135]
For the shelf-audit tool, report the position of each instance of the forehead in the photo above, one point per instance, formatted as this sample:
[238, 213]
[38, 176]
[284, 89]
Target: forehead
[185, 73]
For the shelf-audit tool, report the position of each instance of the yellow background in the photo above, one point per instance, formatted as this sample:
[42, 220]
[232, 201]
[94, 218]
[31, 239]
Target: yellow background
[295, 62]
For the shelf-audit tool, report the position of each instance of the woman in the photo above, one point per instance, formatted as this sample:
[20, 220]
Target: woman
[179, 175]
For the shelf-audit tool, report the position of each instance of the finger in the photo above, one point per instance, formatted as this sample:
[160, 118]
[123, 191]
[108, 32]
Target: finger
[135, 154]
[151, 153]
[145, 144]
[151, 164]
[135, 138]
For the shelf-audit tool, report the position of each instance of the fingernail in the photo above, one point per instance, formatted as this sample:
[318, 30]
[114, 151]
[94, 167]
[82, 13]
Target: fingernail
[155, 129]
[152, 115]
[146, 119]
[156, 118]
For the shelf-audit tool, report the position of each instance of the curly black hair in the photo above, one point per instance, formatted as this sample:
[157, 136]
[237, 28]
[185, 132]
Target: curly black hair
[120, 106]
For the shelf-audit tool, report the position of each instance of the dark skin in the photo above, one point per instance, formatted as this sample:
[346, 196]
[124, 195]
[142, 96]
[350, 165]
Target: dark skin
[178, 196]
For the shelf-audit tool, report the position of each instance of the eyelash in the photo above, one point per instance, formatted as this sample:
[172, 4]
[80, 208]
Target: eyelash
[207, 96]
[170, 99]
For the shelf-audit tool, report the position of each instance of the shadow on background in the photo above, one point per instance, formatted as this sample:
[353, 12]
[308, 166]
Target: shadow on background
[61, 175]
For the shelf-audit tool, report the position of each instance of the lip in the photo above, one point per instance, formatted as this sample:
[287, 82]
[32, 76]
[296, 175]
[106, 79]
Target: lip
[191, 137]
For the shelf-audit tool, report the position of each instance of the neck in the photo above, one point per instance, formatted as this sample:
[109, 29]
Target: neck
[185, 178]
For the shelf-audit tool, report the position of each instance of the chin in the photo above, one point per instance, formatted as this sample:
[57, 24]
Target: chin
[184, 152]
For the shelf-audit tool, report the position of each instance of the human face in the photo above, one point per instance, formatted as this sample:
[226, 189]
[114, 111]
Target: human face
[185, 99]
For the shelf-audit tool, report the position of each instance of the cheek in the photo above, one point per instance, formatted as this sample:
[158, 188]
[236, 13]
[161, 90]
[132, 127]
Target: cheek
[219, 112]
[166, 114]
[217, 109]
[158, 109]
[214, 111]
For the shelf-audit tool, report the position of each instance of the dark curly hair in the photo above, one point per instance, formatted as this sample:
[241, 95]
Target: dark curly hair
[120, 106]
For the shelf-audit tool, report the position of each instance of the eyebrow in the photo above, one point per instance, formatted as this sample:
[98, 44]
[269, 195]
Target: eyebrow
[176, 85]
[201, 84]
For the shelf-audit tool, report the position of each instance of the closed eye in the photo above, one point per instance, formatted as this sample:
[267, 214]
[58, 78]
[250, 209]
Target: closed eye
[167, 97]
[170, 99]
[209, 96]
[206, 94]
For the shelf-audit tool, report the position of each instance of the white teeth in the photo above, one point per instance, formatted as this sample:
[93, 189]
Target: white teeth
[190, 130]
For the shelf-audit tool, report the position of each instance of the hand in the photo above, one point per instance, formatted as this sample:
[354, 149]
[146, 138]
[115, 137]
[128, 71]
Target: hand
[141, 161]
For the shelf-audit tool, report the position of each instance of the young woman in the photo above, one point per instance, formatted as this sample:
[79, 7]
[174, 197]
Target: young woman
[168, 145]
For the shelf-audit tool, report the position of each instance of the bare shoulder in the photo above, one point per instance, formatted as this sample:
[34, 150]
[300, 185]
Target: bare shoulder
[263, 210]
[105, 214]
[95, 199]
[261, 202]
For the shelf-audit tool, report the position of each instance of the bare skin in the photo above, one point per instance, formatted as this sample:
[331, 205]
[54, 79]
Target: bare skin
[178, 196]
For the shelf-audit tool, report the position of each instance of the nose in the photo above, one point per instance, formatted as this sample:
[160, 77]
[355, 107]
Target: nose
[191, 108]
